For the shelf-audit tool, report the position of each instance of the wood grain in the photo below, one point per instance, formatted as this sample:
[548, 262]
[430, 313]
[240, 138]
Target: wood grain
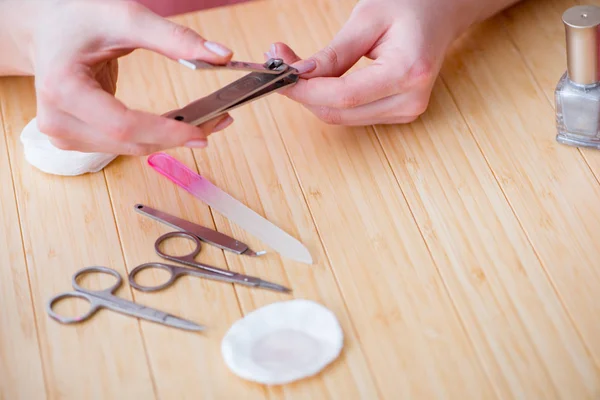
[550, 187]
[495, 278]
[67, 224]
[250, 161]
[546, 64]
[180, 361]
[458, 252]
[21, 374]
[420, 156]
[383, 267]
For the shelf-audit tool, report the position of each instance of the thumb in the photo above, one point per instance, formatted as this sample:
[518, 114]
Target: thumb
[356, 38]
[147, 30]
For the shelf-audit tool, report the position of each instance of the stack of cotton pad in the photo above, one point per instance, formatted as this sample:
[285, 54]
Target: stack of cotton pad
[283, 342]
[43, 155]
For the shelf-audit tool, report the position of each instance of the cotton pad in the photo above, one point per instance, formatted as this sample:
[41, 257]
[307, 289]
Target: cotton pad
[283, 342]
[42, 154]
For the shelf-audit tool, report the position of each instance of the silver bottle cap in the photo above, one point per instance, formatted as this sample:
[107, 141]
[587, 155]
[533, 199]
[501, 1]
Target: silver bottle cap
[581, 28]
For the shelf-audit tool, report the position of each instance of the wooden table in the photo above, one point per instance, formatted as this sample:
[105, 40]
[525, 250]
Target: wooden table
[460, 253]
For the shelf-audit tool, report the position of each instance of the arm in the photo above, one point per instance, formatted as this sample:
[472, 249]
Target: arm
[407, 41]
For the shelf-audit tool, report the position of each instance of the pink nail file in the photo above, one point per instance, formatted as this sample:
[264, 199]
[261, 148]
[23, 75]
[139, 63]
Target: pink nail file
[229, 207]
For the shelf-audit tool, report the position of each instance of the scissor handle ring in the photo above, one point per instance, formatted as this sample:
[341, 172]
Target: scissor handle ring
[187, 257]
[70, 320]
[105, 270]
[141, 267]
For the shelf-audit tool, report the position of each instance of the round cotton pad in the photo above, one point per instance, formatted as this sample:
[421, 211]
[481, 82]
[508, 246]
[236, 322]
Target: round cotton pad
[283, 342]
[43, 155]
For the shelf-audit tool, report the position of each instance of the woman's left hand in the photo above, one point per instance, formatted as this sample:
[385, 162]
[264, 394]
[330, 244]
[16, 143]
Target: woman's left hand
[407, 41]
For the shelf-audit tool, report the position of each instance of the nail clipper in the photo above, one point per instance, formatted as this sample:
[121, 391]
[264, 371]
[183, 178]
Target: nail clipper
[263, 80]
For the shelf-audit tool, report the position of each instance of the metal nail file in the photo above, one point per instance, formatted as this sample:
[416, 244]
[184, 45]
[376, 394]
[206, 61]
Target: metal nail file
[229, 207]
[201, 232]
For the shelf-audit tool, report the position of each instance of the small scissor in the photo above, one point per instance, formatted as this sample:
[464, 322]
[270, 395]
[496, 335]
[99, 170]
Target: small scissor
[201, 270]
[105, 299]
[264, 79]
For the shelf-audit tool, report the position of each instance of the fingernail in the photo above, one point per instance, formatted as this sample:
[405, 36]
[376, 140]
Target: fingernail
[200, 143]
[217, 48]
[305, 66]
[273, 50]
[223, 124]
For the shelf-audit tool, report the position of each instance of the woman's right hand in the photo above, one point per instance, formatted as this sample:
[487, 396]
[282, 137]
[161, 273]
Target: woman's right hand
[74, 49]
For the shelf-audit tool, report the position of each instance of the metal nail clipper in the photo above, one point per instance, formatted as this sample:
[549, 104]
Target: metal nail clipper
[263, 80]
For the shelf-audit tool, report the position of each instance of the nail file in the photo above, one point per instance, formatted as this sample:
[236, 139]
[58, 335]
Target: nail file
[229, 207]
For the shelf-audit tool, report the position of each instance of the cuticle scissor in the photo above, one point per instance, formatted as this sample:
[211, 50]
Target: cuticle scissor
[105, 298]
[198, 269]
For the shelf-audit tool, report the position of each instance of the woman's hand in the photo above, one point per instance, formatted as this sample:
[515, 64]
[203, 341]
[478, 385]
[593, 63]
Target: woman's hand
[407, 41]
[74, 48]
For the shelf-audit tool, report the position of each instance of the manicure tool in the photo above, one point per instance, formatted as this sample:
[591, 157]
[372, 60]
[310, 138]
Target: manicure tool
[264, 79]
[200, 270]
[105, 299]
[203, 233]
[244, 217]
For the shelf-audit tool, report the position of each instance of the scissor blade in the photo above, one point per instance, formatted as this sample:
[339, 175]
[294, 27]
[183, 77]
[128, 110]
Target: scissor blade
[183, 324]
[274, 286]
[168, 319]
[205, 271]
[151, 314]
[257, 282]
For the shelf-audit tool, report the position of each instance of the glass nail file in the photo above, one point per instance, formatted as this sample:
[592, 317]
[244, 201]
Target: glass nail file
[229, 207]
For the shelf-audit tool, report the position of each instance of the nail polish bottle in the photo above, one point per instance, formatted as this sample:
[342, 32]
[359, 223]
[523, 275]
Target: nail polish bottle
[577, 94]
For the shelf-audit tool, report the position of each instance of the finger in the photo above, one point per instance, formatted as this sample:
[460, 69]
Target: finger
[84, 147]
[355, 39]
[333, 116]
[148, 30]
[384, 77]
[405, 107]
[60, 125]
[67, 132]
[111, 118]
[74, 135]
[283, 51]
[364, 86]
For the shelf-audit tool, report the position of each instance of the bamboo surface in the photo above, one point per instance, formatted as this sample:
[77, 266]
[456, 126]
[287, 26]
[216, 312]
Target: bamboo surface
[459, 253]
